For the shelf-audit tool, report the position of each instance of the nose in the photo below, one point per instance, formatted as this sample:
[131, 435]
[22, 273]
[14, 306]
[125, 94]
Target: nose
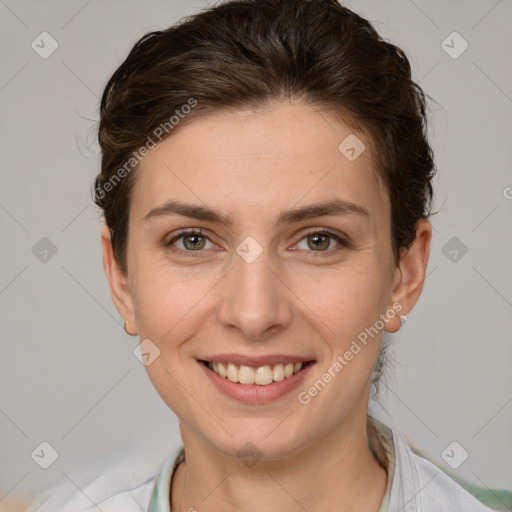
[256, 301]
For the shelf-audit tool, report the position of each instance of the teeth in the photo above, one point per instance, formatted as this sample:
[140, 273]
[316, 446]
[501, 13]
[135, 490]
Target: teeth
[246, 375]
[278, 372]
[261, 376]
[221, 370]
[233, 372]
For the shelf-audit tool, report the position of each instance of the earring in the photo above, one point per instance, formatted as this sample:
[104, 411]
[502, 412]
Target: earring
[403, 319]
[125, 330]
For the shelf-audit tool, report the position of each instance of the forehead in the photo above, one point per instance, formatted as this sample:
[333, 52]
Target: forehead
[256, 162]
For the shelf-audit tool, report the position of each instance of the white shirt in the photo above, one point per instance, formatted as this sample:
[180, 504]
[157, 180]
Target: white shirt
[414, 484]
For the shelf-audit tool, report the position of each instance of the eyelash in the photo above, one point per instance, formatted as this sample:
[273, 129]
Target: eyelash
[343, 242]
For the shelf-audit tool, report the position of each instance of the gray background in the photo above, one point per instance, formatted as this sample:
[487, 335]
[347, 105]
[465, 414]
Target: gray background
[68, 375]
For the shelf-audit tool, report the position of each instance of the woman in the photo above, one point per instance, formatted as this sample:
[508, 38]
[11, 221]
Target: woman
[266, 185]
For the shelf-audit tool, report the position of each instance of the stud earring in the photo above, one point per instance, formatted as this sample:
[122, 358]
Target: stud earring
[403, 319]
[125, 330]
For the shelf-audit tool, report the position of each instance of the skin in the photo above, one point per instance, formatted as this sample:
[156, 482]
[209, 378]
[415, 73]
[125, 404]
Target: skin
[293, 299]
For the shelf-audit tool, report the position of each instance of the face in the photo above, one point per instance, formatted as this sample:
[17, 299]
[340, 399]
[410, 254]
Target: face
[269, 281]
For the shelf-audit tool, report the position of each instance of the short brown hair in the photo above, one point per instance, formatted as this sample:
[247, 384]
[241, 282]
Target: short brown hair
[250, 53]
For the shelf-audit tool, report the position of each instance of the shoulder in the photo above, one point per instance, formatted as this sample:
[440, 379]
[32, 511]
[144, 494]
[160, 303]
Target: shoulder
[125, 486]
[422, 486]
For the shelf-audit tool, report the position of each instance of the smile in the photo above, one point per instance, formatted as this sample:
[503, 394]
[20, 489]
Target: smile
[257, 384]
[261, 376]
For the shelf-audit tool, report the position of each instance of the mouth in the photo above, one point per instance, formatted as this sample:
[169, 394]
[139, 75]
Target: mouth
[256, 383]
[263, 375]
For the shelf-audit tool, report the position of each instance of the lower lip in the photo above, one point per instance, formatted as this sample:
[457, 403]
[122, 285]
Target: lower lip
[253, 393]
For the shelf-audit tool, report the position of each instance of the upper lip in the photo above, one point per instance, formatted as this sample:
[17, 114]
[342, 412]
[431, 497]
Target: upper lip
[255, 361]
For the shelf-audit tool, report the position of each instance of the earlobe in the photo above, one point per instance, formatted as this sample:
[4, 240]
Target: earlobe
[410, 273]
[117, 282]
[127, 330]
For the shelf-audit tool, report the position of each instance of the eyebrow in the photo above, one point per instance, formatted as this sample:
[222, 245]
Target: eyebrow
[335, 207]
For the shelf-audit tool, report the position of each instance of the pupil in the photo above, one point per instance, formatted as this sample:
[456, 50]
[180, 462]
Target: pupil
[194, 244]
[318, 238]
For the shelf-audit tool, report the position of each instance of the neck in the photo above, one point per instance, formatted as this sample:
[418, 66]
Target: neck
[338, 473]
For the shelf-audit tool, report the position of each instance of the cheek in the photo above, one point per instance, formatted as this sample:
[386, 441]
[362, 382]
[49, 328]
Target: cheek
[348, 309]
[168, 302]
[346, 300]
[345, 308]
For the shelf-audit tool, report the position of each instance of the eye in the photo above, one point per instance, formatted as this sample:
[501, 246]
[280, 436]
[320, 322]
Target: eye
[191, 241]
[320, 241]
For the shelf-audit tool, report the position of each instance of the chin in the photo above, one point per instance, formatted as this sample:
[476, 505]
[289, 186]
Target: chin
[269, 439]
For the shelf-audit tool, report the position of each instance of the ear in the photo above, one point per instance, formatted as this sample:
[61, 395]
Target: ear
[410, 274]
[118, 284]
